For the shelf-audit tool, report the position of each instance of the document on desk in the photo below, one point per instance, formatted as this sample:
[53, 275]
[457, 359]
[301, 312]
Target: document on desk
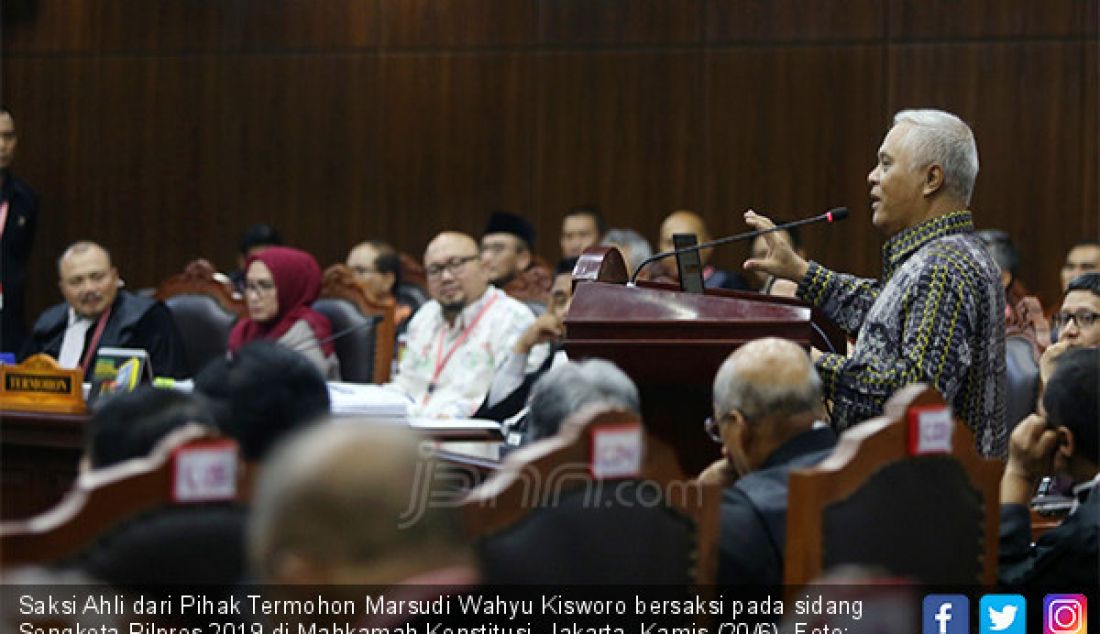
[370, 400]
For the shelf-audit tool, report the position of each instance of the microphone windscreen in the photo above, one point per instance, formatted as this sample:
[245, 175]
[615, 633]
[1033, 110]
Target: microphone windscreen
[837, 213]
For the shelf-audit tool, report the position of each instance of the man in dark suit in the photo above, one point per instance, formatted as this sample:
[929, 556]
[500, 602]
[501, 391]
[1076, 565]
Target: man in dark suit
[767, 404]
[18, 221]
[97, 313]
[1063, 442]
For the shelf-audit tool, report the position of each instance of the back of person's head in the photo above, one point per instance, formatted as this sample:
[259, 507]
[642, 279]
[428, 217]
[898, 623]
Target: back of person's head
[568, 387]
[1000, 246]
[1085, 282]
[635, 247]
[342, 502]
[258, 235]
[1072, 399]
[945, 139]
[767, 378]
[263, 393]
[387, 260]
[129, 425]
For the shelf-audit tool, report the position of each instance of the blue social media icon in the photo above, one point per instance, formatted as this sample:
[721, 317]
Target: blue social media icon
[946, 614]
[1002, 614]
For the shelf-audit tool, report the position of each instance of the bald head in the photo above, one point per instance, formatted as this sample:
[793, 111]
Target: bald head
[767, 378]
[684, 221]
[456, 275]
[87, 279]
[336, 500]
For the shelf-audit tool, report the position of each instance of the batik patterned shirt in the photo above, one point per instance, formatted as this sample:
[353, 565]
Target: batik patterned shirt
[936, 315]
[479, 350]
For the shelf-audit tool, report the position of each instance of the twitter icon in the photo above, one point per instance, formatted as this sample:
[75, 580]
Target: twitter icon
[1003, 614]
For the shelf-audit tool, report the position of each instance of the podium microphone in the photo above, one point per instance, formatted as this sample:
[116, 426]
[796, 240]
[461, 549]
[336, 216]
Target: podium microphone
[309, 345]
[835, 214]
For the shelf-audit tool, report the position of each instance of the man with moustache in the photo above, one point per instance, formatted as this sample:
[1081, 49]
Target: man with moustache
[96, 314]
[458, 340]
[937, 313]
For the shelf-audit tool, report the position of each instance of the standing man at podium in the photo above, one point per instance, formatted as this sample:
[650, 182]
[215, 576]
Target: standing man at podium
[937, 312]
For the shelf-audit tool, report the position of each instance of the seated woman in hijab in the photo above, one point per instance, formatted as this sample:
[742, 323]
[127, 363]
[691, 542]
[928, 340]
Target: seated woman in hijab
[280, 285]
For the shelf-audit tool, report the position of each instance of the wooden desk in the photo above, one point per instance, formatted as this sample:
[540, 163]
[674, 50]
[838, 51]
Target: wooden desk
[39, 457]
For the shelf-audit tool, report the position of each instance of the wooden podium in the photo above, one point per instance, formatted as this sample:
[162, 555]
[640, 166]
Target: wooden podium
[672, 343]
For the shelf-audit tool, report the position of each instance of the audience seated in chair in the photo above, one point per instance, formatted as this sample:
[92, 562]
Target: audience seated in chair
[378, 266]
[124, 426]
[281, 285]
[633, 245]
[581, 227]
[767, 404]
[134, 526]
[332, 508]
[1077, 322]
[1023, 312]
[1062, 442]
[255, 239]
[507, 251]
[363, 330]
[684, 221]
[98, 313]
[457, 341]
[886, 480]
[512, 383]
[263, 393]
[558, 513]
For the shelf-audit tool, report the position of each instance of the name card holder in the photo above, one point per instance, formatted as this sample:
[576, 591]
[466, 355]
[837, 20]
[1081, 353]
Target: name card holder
[40, 385]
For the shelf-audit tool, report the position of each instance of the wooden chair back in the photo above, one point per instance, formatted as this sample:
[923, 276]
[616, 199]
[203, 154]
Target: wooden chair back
[595, 449]
[340, 283]
[906, 493]
[191, 465]
[200, 278]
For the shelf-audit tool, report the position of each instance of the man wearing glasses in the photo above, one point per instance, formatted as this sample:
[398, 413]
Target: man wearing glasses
[457, 340]
[767, 404]
[1076, 322]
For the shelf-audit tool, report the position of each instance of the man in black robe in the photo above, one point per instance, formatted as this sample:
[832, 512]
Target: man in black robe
[96, 313]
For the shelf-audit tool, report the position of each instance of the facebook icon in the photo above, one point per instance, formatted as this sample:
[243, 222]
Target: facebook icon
[946, 614]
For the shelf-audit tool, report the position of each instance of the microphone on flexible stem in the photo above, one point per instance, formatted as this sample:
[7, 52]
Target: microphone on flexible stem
[334, 336]
[833, 215]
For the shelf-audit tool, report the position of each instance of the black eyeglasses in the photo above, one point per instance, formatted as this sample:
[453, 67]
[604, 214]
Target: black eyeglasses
[1084, 318]
[454, 265]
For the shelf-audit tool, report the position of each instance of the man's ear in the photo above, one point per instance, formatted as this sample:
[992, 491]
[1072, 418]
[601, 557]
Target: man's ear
[523, 259]
[933, 179]
[1067, 443]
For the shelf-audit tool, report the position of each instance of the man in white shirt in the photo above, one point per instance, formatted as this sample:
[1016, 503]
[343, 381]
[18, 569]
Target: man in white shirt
[458, 340]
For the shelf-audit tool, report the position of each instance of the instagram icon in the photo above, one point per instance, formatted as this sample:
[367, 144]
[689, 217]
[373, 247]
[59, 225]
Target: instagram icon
[1065, 614]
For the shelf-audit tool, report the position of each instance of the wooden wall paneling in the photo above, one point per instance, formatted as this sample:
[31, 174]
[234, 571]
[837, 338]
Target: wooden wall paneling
[775, 21]
[619, 22]
[1023, 101]
[301, 24]
[792, 132]
[946, 20]
[136, 25]
[51, 26]
[458, 141]
[1090, 135]
[621, 130]
[300, 150]
[1092, 18]
[458, 23]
